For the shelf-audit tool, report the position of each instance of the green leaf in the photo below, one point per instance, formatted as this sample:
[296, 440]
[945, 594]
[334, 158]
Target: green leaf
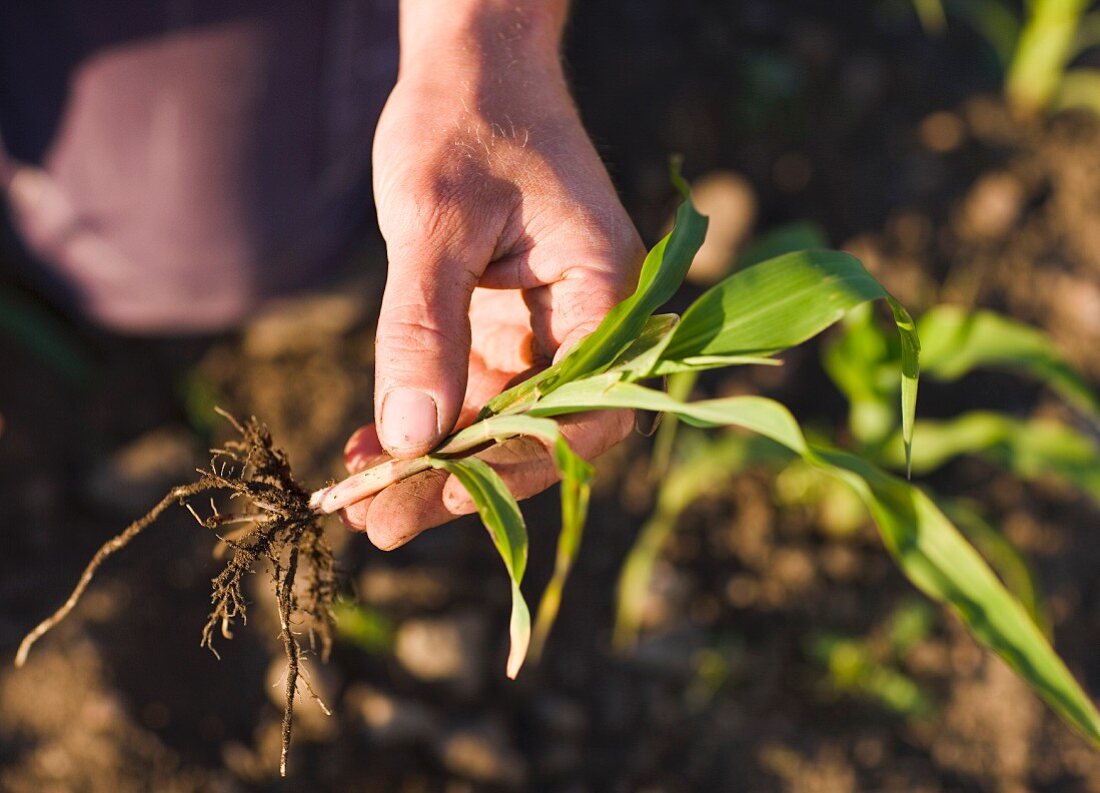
[576, 478]
[863, 364]
[576, 488]
[928, 548]
[943, 565]
[1030, 448]
[501, 516]
[662, 273]
[788, 238]
[679, 387]
[783, 302]
[956, 341]
[1004, 557]
[764, 416]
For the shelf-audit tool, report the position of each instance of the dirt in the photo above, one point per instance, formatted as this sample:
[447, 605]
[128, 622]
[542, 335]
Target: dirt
[844, 114]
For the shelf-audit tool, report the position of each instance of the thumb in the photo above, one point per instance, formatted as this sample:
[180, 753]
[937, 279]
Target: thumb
[422, 347]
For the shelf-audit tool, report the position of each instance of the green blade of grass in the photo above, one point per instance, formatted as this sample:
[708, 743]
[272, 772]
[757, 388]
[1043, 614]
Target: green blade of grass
[1030, 448]
[928, 548]
[783, 302]
[501, 516]
[956, 341]
[576, 478]
[942, 564]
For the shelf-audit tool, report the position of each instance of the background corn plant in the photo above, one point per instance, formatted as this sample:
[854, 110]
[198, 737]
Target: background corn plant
[1036, 48]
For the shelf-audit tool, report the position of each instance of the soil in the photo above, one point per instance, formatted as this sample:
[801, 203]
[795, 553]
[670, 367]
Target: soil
[845, 114]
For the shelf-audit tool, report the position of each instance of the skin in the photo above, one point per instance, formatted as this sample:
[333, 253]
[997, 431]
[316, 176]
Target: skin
[506, 242]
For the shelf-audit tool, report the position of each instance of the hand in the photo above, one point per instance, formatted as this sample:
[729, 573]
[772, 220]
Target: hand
[507, 244]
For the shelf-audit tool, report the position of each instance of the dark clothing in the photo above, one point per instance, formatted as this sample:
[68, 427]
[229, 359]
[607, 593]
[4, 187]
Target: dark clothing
[171, 164]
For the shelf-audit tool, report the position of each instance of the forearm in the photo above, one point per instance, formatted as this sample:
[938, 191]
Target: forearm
[480, 34]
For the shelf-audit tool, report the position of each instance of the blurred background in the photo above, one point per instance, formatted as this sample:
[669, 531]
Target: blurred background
[768, 642]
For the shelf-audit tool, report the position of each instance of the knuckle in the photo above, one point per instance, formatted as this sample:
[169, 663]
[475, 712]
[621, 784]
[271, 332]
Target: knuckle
[445, 205]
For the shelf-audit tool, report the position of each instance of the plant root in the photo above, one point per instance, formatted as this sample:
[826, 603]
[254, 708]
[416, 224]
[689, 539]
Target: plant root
[283, 527]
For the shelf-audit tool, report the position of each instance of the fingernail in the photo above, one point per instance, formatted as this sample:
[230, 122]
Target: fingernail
[410, 420]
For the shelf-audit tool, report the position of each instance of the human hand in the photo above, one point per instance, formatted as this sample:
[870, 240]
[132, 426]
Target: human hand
[507, 244]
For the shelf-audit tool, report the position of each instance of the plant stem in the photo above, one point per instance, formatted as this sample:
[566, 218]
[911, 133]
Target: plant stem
[373, 480]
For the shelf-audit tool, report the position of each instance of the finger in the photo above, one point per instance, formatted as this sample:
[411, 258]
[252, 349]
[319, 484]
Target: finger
[362, 451]
[578, 306]
[423, 336]
[404, 510]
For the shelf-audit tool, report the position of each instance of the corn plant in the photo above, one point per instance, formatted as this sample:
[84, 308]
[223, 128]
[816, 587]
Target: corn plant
[747, 319]
[863, 363]
[1035, 50]
[869, 667]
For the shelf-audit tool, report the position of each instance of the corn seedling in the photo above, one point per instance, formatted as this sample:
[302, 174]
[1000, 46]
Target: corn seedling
[747, 319]
[869, 668]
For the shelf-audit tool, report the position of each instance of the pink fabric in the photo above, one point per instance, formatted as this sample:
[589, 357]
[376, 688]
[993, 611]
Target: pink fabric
[193, 158]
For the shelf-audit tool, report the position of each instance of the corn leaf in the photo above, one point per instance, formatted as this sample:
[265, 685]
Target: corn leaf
[956, 341]
[501, 516]
[662, 274]
[781, 303]
[943, 565]
[1003, 556]
[759, 414]
[927, 547]
[863, 363]
[576, 488]
[576, 478]
[1031, 448]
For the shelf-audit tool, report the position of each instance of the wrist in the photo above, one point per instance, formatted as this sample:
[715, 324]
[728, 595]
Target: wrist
[470, 37]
